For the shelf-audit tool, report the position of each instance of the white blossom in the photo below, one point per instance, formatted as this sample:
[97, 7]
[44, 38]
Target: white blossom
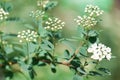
[100, 51]
[54, 24]
[27, 35]
[37, 13]
[3, 14]
[86, 21]
[42, 3]
[93, 10]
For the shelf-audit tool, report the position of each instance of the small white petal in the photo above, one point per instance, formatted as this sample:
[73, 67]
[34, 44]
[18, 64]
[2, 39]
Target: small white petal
[108, 49]
[108, 56]
[90, 50]
[96, 57]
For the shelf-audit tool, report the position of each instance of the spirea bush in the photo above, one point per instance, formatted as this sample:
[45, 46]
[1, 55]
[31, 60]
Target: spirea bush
[36, 45]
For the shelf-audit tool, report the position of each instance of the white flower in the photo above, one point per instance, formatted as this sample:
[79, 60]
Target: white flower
[86, 21]
[93, 10]
[100, 51]
[54, 24]
[108, 56]
[3, 14]
[92, 48]
[27, 35]
[42, 3]
[37, 14]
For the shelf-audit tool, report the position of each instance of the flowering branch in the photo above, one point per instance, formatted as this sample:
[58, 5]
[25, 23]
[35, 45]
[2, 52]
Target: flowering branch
[36, 45]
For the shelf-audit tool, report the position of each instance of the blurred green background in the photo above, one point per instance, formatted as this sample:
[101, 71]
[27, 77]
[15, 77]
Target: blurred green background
[67, 10]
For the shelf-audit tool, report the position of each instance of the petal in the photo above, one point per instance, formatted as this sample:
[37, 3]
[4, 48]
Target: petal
[108, 56]
[96, 57]
[90, 50]
[108, 49]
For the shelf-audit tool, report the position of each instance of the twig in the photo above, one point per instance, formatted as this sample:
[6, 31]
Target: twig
[75, 53]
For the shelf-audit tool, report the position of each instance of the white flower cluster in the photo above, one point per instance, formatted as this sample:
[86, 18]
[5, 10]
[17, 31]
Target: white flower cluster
[42, 3]
[100, 51]
[37, 14]
[54, 24]
[86, 21]
[3, 14]
[27, 35]
[89, 20]
[93, 10]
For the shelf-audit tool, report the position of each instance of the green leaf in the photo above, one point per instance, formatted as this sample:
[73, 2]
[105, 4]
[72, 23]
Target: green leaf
[1, 32]
[93, 39]
[77, 77]
[35, 61]
[41, 63]
[20, 76]
[67, 54]
[42, 53]
[8, 7]
[81, 32]
[9, 74]
[45, 47]
[68, 43]
[42, 31]
[32, 73]
[50, 5]
[75, 63]
[29, 26]
[53, 68]
[49, 44]
[13, 19]
[8, 49]
[94, 73]
[16, 48]
[92, 33]
[32, 47]
[83, 51]
[107, 71]
[81, 71]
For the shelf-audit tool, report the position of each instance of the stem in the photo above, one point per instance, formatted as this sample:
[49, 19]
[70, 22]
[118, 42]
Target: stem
[54, 43]
[76, 52]
[28, 55]
[96, 64]
[67, 63]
